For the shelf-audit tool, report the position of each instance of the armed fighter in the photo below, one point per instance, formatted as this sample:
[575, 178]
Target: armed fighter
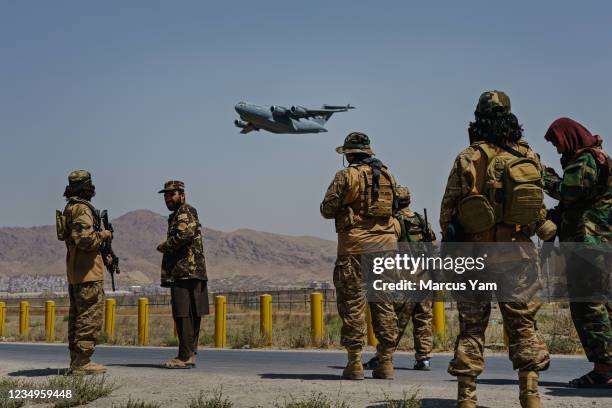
[278, 119]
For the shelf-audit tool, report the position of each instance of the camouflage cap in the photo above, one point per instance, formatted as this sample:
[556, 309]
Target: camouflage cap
[402, 193]
[493, 104]
[356, 142]
[173, 185]
[78, 176]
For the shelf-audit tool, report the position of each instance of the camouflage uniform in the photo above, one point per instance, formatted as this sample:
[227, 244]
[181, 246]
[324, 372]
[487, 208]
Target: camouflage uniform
[413, 229]
[585, 199]
[527, 350]
[359, 233]
[184, 271]
[85, 273]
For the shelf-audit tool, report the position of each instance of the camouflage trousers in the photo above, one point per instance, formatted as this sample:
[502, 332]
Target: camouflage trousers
[527, 350]
[85, 320]
[592, 322]
[421, 315]
[351, 301]
[592, 315]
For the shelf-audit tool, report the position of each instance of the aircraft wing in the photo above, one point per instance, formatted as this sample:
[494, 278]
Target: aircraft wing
[248, 128]
[299, 111]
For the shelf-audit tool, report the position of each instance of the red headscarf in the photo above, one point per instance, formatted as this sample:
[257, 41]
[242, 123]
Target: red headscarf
[570, 136]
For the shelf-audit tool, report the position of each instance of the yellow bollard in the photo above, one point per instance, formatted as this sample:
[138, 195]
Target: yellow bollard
[2, 318]
[372, 341]
[316, 318]
[109, 318]
[24, 317]
[143, 321]
[220, 317]
[50, 320]
[265, 318]
[439, 319]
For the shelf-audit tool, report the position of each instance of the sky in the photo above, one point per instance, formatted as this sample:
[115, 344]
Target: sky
[141, 92]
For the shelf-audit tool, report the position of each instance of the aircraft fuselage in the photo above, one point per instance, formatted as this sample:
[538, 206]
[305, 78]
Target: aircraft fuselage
[263, 118]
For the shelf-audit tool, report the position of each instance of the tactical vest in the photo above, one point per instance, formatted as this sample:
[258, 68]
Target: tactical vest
[63, 220]
[364, 207]
[413, 228]
[513, 191]
[367, 207]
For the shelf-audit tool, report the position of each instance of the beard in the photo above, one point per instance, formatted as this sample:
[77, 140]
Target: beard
[173, 206]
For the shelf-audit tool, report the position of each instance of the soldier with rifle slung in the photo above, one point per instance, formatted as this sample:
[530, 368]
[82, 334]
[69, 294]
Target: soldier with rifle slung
[414, 228]
[79, 227]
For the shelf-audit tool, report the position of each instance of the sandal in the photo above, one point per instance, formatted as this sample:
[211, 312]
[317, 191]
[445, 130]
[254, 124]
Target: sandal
[592, 379]
[177, 363]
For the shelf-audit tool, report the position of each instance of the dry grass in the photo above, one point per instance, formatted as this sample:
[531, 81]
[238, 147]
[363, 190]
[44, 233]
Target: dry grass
[291, 330]
[84, 389]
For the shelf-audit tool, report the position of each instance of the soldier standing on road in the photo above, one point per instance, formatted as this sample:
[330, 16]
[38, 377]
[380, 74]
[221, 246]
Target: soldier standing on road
[585, 211]
[360, 200]
[413, 229]
[79, 227]
[184, 272]
[479, 175]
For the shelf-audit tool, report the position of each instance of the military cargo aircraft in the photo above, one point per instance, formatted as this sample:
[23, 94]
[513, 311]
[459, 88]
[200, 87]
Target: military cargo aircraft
[278, 119]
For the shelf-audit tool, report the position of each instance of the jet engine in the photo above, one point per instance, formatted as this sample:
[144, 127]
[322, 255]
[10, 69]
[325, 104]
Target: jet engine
[240, 124]
[278, 110]
[298, 110]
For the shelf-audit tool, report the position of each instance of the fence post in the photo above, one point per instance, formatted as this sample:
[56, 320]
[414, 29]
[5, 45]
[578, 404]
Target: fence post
[2, 318]
[24, 317]
[439, 319]
[316, 318]
[372, 341]
[265, 318]
[50, 320]
[220, 318]
[143, 321]
[109, 318]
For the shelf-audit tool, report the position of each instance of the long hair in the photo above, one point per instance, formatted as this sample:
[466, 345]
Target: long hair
[84, 190]
[497, 130]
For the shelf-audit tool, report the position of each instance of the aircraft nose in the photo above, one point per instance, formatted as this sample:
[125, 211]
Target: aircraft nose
[240, 107]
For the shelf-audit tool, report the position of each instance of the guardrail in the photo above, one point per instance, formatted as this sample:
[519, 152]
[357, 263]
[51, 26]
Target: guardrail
[317, 322]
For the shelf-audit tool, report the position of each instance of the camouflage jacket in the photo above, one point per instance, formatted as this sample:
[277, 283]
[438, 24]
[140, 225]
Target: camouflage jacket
[585, 200]
[83, 259]
[413, 227]
[183, 250]
[356, 234]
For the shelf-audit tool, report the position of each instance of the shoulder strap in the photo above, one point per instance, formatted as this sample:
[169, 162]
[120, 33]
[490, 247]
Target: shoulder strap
[94, 212]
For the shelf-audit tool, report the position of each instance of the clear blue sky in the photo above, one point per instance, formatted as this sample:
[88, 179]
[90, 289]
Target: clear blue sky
[142, 92]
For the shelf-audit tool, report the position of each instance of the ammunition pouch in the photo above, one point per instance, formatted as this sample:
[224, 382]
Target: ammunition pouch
[60, 225]
[476, 214]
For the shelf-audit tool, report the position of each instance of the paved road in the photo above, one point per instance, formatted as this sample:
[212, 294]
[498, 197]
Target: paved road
[260, 376]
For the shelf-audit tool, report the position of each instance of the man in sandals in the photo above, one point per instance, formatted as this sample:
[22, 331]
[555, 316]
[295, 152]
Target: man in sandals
[184, 272]
[584, 192]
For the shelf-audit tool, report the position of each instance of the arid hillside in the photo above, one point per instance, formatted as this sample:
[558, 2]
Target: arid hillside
[242, 259]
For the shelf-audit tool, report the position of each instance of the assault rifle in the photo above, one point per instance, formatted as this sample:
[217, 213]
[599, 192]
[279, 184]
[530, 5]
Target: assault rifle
[106, 250]
[428, 233]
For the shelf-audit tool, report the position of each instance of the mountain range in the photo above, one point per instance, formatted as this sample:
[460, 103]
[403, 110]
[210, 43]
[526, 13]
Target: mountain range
[237, 260]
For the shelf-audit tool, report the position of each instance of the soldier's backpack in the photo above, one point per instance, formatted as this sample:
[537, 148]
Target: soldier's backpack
[382, 207]
[513, 193]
